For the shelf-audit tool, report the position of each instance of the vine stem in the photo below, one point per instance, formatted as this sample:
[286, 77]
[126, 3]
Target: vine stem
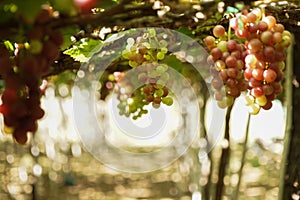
[229, 33]
[243, 159]
[224, 157]
[289, 113]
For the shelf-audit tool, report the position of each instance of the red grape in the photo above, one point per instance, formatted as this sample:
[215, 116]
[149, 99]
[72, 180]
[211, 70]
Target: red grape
[269, 75]
[85, 6]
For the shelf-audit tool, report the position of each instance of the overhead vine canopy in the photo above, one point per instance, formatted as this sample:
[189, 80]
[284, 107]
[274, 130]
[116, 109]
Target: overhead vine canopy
[40, 39]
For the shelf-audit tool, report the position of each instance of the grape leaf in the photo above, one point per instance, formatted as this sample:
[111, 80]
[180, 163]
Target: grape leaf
[84, 49]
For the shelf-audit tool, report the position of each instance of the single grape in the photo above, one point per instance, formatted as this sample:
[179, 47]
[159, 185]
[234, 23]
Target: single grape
[262, 26]
[219, 31]
[231, 61]
[268, 105]
[237, 54]
[223, 74]
[254, 83]
[232, 72]
[160, 55]
[254, 109]
[278, 28]
[267, 89]
[216, 83]
[269, 75]
[257, 91]
[249, 100]
[253, 28]
[254, 45]
[234, 92]
[167, 100]
[222, 46]
[261, 100]
[257, 73]
[219, 65]
[216, 53]
[251, 17]
[231, 45]
[270, 20]
[230, 82]
[209, 41]
[277, 37]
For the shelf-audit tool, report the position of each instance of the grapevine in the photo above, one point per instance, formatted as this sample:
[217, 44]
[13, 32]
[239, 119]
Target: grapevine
[22, 71]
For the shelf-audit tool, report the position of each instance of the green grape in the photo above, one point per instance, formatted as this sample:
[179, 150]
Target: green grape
[222, 104]
[167, 100]
[152, 33]
[147, 45]
[147, 57]
[133, 63]
[126, 53]
[164, 50]
[160, 55]
[262, 100]
[159, 93]
[222, 46]
[163, 44]
[111, 77]
[254, 109]
[158, 86]
[249, 99]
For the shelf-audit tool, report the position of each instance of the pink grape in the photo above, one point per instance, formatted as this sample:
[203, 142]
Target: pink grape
[257, 92]
[218, 31]
[269, 75]
[267, 37]
[257, 73]
[231, 45]
[254, 45]
[231, 61]
[262, 26]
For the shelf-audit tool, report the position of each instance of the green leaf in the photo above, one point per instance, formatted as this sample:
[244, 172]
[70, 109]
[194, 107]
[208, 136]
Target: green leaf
[185, 30]
[84, 49]
[9, 45]
[231, 9]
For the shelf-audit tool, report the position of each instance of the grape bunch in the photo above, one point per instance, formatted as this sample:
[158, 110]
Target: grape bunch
[227, 61]
[22, 71]
[145, 55]
[266, 42]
